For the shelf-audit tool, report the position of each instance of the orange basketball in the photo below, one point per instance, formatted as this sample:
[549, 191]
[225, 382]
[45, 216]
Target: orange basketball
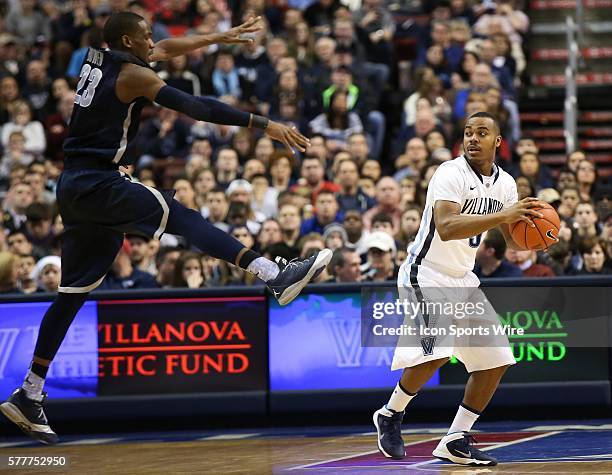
[544, 234]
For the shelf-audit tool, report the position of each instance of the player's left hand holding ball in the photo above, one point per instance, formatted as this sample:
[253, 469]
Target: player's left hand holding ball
[290, 136]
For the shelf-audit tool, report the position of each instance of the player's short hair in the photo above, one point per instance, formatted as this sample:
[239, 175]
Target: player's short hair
[119, 24]
[485, 115]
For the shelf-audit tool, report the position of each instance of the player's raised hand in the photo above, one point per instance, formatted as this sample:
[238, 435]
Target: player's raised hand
[523, 211]
[290, 136]
[235, 35]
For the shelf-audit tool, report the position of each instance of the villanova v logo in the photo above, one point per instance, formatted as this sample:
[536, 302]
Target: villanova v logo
[427, 343]
[7, 342]
[347, 342]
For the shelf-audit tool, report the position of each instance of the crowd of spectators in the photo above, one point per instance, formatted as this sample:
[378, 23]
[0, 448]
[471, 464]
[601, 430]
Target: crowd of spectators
[378, 132]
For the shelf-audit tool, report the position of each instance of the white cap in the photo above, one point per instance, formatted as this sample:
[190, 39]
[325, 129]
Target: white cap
[237, 184]
[380, 240]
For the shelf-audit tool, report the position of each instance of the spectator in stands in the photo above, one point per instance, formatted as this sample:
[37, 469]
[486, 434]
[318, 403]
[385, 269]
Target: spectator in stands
[413, 160]
[21, 120]
[269, 233]
[529, 166]
[166, 135]
[358, 148]
[9, 93]
[502, 16]
[569, 201]
[290, 224]
[506, 113]
[56, 126]
[202, 181]
[310, 244]
[371, 169]
[227, 166]
[241, 191]
[434, 141]
[188, 271]
[25, 282]
[165, 261]
[38, 228]
[408, 191]
[312, 175]
[574, 159]
[18, 198]
[566, 179]
[502, 72]
[381, 251]
[185, 193]
[594, 257]
[525, 187]
[8, 273]
[350, 195]
[585, 222]
[37, 90]
[280, 170]
[334, 236]
[326, 212]
[176, 74]
[28, 23]
[480, 80]
[355, 231]
[141, 255]
[526, 261]
[337, 124]
[225, 78]
[200, 155]
[15, 155]
[48, 273]
[490, 261]
[37, 182]
[264, 201]
[252, 168]
[388, 199]
[320, 16]
[409, 225]
[216, 208]
[123, 275]
[345, 266]
[586, 177]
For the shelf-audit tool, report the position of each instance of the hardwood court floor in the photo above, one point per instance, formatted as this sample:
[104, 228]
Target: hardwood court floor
[548, 450]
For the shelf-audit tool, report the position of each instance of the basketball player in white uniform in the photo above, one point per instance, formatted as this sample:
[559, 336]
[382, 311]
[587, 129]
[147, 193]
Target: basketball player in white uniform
[466, 197]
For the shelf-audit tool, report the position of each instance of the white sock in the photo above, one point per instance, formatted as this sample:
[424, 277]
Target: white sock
[263, 268]
[399, 399]
[33, 386]
[464, 420]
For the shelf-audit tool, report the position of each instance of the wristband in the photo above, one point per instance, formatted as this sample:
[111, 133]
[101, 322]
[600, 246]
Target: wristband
[259, 122]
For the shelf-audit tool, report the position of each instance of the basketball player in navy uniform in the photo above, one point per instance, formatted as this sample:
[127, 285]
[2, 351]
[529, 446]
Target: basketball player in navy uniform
[99, 204]
[466, 197]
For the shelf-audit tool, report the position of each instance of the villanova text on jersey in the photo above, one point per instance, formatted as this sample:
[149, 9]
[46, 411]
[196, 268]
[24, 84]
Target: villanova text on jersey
[484, 205]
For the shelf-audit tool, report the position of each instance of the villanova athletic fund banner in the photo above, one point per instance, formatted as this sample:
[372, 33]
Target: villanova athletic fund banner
[74, 371]
[182, 345]
[555, 333]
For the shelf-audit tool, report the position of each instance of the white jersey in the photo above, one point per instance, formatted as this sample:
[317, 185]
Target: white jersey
[457, 181]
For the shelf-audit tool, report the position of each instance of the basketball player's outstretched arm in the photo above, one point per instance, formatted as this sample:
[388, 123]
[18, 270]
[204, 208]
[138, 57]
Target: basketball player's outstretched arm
[136, 81]
[451, 224]
[171, 47]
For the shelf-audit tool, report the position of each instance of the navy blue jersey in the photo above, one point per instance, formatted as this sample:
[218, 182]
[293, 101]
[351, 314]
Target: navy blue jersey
[101, 126]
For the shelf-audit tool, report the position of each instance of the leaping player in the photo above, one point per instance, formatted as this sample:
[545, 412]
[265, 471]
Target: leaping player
[443, 255]
[99, 204]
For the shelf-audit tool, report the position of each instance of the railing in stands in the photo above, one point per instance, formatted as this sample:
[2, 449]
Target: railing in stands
[570, 119]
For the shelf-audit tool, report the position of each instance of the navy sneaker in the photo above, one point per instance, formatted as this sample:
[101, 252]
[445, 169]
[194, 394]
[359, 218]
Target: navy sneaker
[295, 274]
[389, 429]
[29, 416]
[458, 448]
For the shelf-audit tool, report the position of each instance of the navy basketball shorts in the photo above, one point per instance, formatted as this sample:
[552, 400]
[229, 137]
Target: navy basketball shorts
[98, 207]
